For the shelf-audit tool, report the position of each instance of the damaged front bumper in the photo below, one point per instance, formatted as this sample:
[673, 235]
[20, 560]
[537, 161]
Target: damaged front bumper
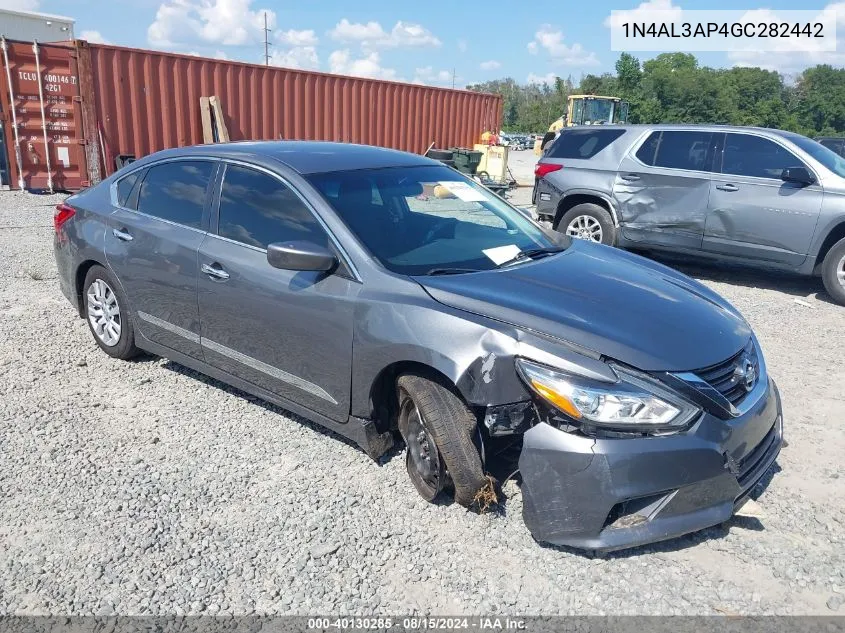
[607, 494]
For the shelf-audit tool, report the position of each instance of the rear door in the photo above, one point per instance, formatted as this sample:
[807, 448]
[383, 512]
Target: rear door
[662, 188]
[755, 214]
[159, 222]
[286, 331]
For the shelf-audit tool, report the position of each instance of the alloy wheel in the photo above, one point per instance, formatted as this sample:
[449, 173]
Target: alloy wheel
[585, 227]
[104, 313]
[840, 272]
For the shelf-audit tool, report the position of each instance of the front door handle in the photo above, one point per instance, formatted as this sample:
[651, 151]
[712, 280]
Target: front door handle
[122, 235]
[629, 177]
[215, 270]
[727, 187]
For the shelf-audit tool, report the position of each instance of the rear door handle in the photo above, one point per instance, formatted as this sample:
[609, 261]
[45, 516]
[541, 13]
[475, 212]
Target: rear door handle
[215, 270]
[629, 177]
[122, 235]
[727, 187]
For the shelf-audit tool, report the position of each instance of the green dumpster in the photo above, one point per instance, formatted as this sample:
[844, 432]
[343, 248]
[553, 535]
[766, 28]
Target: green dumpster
[466, 160]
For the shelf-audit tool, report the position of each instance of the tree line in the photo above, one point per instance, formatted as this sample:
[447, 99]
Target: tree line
[673, 88]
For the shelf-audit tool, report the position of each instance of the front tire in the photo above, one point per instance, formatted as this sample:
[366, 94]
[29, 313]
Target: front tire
[588, 221]
[106, 312]
[833, 272]
[438, 429]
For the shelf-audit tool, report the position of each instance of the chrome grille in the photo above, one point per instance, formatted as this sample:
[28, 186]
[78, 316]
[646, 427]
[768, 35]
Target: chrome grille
[735, 377]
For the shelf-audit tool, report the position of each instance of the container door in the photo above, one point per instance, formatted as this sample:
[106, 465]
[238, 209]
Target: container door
[5, 176]
[49, 120]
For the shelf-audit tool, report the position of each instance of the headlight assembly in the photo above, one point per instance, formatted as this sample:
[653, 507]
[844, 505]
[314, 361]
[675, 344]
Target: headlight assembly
[631, 404]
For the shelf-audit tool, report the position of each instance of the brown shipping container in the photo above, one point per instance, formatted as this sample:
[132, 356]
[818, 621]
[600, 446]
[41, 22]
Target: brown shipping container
[144, 101]
[47, 118]
[147, 101]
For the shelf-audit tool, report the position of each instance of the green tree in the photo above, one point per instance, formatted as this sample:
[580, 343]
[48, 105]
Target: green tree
[820, 99]
[674, 88]
[628, 74]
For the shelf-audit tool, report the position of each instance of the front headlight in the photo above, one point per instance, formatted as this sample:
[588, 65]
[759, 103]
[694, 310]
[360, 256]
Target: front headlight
[630, 404]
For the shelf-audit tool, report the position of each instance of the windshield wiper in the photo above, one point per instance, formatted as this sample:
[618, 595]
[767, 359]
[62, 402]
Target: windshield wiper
[531, 253]
[451, 271]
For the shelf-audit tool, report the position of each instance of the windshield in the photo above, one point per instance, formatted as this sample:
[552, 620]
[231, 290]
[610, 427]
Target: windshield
[598, 111]
[830, 159]
[429, 219]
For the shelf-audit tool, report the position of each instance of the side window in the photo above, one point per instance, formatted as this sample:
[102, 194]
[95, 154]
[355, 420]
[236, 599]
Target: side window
[125, 186]
[648, 150]
[747, 155]
[578, 110]
[582, 144]
[176, 191]
[684, 150]
[835, 144]
[257, 209]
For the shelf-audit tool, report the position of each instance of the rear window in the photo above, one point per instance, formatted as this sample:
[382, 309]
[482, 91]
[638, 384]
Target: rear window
[124, 188]
[582, 144]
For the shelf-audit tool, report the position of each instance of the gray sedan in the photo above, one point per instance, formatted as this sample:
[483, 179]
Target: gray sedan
[382, 294]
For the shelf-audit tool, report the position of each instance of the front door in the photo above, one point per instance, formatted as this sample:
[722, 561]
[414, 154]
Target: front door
[662, 189]
[151, 244]
[288, 332]
[753, 213]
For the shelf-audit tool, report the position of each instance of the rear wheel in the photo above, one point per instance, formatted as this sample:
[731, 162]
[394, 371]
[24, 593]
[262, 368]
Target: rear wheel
[588, 221]
[833, 272]
[438, 429]
[107, 314]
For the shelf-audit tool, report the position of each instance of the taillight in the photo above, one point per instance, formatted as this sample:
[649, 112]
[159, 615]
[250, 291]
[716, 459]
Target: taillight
[63, 213]
[545, 168]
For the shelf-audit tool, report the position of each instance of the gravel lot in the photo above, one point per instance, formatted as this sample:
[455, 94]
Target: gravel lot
[143, 487]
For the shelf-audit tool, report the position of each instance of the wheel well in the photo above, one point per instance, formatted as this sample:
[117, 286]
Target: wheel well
[79, 279]
[836, 234]
[384, 403]
[568, 202]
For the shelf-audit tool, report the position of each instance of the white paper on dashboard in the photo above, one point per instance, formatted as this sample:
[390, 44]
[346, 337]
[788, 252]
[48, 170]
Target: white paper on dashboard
[502, 254]
[463, 191]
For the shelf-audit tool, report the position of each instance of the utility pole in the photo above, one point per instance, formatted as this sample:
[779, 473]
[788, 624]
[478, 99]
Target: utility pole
[453, 78]
[266, 42]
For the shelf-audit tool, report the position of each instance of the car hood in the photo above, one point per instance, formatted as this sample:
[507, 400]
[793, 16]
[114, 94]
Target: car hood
[615, 303]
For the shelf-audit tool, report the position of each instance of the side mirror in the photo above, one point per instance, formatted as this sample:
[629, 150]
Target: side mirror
[798, 175]
[300, 256]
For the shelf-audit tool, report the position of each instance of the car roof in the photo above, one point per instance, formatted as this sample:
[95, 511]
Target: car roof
[305, 157]
[688, 127]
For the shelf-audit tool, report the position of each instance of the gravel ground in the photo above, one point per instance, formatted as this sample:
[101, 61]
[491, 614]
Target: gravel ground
[145, 488]
[522, 164]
